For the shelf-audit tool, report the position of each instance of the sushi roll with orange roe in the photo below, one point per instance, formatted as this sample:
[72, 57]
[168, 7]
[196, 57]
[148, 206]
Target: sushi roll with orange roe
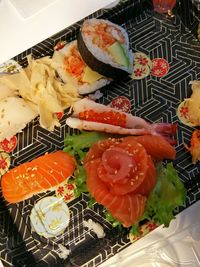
[72, 69]
[104, 46]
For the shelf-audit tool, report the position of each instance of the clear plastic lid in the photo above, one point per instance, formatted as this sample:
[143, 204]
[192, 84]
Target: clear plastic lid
[175, 246]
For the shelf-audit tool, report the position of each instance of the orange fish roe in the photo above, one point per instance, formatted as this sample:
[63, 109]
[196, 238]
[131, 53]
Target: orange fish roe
[74, 64]
[109, 117]
[102, 34]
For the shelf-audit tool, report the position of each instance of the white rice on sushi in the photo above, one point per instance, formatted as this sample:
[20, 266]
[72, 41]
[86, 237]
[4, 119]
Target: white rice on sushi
[104, 46]
[85, 79]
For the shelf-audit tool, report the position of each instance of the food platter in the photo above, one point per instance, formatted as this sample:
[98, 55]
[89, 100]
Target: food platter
[154, 98]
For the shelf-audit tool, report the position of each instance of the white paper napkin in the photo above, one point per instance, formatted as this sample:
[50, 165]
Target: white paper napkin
[28, 8]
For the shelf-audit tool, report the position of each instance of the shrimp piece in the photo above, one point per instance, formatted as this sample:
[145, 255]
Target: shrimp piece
[102, 127]
[88, 115]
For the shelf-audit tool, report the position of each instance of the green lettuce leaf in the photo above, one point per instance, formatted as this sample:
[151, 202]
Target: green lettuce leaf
[78, 146]
[111, 219]
[168, 194]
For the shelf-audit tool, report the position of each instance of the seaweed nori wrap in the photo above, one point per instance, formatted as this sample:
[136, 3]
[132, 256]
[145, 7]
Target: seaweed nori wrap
[95, 40]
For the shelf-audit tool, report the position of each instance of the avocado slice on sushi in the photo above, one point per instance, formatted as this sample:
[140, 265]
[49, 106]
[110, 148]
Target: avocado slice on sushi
[104, 47]
[118, 53]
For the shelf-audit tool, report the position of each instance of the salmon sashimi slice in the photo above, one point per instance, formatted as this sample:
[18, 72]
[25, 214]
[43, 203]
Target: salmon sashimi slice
[121, 173]
[99, 147]
[131, 185]
[39, 175]
[155, 145]
[124, 165]
[127, 208]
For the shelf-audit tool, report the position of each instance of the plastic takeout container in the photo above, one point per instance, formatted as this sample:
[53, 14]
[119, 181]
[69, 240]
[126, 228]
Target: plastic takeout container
[176, 246]
[153, 98]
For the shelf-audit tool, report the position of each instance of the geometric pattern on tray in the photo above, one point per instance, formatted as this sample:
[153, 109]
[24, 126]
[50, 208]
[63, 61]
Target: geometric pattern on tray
[155, 99]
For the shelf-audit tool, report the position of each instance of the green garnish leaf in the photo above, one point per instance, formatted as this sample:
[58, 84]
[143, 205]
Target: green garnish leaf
[135, 230]
[111, 219]
[78, 146]
[80, 181]
[91, 202]
[168, 194]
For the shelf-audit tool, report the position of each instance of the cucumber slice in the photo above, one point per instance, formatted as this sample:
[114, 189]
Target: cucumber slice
[118, 53]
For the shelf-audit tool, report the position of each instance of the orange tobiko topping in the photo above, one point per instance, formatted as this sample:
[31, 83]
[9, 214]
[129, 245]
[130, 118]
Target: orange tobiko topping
[109, 117]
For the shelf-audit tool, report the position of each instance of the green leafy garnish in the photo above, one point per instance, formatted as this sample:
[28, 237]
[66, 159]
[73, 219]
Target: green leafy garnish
[80, 181]
[168, 194]
[91, 202]
[78, 146]
[111, 219]
[135, 230]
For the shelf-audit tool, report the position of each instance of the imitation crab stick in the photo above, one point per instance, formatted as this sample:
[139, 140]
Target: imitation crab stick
[39, 175]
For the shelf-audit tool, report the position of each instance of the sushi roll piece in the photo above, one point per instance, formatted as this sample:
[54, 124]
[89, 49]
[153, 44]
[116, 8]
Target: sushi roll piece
[104, 46]
[72, 69]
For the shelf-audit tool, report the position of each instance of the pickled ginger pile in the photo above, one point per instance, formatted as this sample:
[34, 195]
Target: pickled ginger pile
[41, 91]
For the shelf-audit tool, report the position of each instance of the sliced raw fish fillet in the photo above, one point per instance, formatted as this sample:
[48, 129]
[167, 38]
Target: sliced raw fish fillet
[125, 168]
[41, 174]
[127, 209]
[155, 145]
[142, 182]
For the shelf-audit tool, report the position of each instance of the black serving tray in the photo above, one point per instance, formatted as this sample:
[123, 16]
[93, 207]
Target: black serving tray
[155, 99]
